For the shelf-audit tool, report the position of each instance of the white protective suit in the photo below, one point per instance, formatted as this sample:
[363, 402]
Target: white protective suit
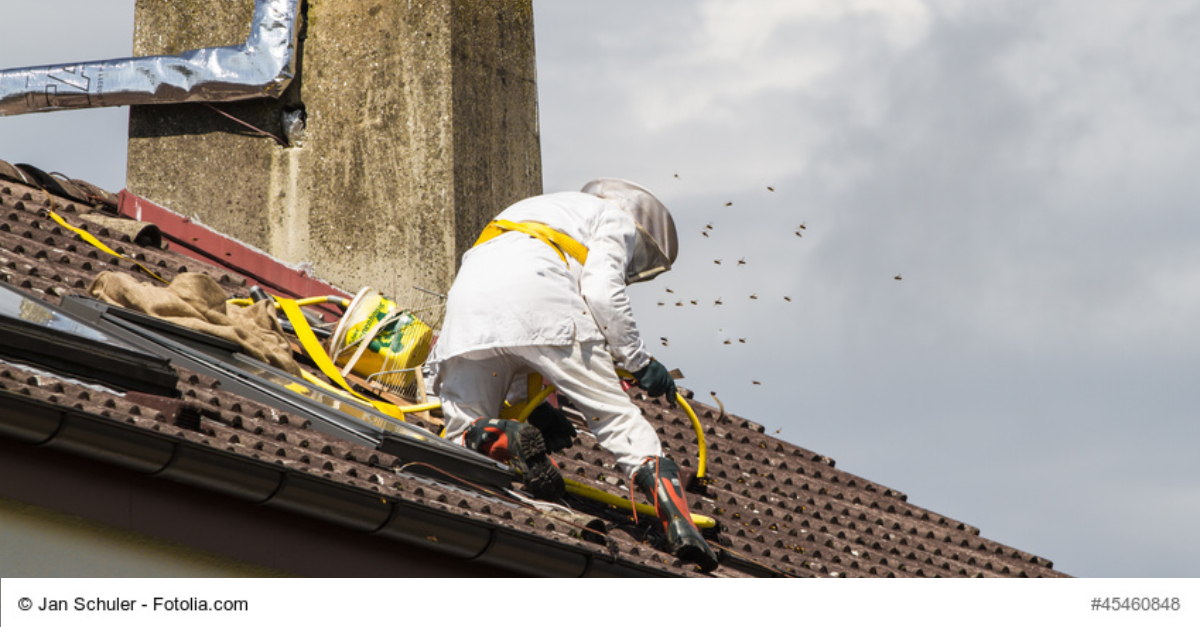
[517, 306]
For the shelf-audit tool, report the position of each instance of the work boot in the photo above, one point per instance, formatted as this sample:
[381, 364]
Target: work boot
[521, 446]
[658, 479]
[556, 428]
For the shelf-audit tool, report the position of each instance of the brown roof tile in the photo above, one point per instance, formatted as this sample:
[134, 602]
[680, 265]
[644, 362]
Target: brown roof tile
[39, 255]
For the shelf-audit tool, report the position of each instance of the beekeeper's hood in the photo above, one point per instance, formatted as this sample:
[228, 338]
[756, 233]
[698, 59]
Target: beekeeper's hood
[657, 244]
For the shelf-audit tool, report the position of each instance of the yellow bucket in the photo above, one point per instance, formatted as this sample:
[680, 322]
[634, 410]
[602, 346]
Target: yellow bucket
[381, 342]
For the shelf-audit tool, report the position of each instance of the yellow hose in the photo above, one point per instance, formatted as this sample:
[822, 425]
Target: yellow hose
[702, 465]
[534, 400]
[410, 409]
[645, 509]
[303, 302]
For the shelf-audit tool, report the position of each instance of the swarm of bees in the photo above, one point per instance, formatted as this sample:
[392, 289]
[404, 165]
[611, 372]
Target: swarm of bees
[711, 233]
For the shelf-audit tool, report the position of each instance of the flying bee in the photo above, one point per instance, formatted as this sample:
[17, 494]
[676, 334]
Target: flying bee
[898, 277]
[742, 261]
[718, 302]
[676, 175]
[679, 304]
[799, 234]
[695, 302]
[741, 340]
[660, 303]
[787, 298]
[708, 227]
[670, 291]
[754, 297]
[729, 204]
[729, 341]
[717, 261]
[757, 382]
[802, 226]
[770, 189]
[704, 233]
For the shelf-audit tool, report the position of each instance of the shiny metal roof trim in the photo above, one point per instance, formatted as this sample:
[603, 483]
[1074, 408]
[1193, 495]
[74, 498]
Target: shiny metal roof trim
[262, 66]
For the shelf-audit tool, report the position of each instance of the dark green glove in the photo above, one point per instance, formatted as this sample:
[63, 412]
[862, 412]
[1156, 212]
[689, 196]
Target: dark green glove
[557, 430]
[655, 379]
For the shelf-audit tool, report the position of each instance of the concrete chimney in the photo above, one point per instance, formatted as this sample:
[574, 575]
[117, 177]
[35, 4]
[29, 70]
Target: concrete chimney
[419, 125]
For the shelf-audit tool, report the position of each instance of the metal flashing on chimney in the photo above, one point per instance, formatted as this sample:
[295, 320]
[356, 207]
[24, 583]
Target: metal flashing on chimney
[262, 66]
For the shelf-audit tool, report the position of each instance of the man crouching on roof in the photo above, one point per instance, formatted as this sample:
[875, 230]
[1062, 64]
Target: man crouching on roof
[543, 291]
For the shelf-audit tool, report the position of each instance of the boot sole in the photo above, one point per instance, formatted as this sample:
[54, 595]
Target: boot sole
[690, 546]
[540, 475]
[700, 556]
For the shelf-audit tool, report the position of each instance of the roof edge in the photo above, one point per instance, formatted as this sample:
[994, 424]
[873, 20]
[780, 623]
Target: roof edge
[160, 455]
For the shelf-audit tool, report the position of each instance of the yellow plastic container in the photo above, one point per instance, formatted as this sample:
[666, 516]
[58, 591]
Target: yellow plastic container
[383, 343]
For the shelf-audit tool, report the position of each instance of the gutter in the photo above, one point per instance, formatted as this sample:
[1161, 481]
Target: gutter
[37, 423]
[261, 67]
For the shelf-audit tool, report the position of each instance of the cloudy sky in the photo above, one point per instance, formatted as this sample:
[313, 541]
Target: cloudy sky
[1027, 168]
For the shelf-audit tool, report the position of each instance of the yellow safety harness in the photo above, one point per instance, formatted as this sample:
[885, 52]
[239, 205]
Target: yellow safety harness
[562, 243]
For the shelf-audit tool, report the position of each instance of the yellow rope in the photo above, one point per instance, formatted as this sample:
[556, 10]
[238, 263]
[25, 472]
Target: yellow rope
[594, 494]
[312, 346]
[89, 238]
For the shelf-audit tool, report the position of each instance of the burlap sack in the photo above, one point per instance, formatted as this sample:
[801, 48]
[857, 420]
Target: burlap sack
[195, 301]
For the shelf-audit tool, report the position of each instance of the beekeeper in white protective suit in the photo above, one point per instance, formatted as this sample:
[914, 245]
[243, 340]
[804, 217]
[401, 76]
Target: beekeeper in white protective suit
[543, 291]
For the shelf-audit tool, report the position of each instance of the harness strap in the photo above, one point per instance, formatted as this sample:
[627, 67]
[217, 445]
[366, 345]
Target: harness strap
[562, 243]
